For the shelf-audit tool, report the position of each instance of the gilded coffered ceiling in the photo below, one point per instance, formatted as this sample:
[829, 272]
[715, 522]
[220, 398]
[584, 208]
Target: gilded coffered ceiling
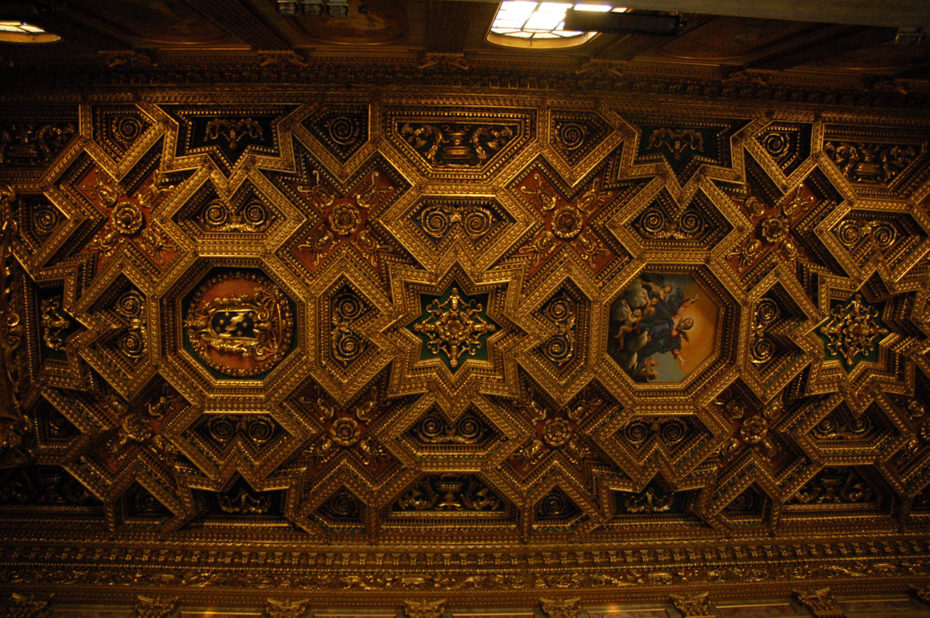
[290, 344]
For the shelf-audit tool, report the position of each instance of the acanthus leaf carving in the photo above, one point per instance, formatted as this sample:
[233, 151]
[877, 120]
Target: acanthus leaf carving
[694, 606]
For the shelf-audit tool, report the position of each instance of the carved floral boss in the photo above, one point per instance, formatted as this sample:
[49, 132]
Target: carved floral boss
[129, 217]
[566, 223]
[852, 330]
[345, 218]
[239, 323]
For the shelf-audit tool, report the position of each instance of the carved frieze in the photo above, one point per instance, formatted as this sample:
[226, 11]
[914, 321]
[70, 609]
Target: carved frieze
[870, 163]
[450, 495]
[685, 147]
[225, 134]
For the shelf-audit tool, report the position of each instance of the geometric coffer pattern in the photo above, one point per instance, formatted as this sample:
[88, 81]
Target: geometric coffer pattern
[419, 322]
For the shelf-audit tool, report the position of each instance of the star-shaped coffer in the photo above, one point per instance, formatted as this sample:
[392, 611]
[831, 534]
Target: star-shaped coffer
[452, 332]
[453, 327]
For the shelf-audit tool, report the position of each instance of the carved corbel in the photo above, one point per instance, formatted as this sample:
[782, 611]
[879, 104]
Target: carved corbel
[282, 58]
[820, 602]
[693, 606]
[154, 607]
[128, 59]
[25, 605]
[442, 60]
[424, 609]
[597, 67]
[921, 593]
[561, 608]
[276, 608]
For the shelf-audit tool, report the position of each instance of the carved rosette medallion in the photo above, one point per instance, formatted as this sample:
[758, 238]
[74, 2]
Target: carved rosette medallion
[127, 211]
[239, 323]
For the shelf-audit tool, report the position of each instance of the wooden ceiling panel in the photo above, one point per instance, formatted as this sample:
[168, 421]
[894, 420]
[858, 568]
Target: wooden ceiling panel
[160, 24]
[439, 332]
[731, 39]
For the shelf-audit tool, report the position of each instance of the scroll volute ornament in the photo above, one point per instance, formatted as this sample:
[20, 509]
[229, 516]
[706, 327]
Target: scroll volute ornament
[15, 426]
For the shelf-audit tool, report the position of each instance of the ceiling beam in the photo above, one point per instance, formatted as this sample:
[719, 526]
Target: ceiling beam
[238, 20]
[447, 24]
[920, 70]
[825, 43]
[631, 45]
[889, 13]
[84, 30]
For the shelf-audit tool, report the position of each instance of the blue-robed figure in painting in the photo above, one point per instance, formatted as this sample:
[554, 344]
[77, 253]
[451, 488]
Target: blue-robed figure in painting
[650, 320]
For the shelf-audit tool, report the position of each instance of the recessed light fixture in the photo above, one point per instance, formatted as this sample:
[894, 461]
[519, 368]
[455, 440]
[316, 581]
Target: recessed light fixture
[314, 8]
[535, 23]
[337, 8]
[16, 31]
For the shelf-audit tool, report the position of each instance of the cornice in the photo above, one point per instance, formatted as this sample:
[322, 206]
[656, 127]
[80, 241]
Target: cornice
[91, 77]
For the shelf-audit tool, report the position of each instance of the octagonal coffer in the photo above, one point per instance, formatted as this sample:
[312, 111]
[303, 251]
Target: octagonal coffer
[238, 323]
[229, 324]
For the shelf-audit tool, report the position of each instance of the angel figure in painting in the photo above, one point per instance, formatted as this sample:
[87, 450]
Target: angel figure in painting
[650, 321]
